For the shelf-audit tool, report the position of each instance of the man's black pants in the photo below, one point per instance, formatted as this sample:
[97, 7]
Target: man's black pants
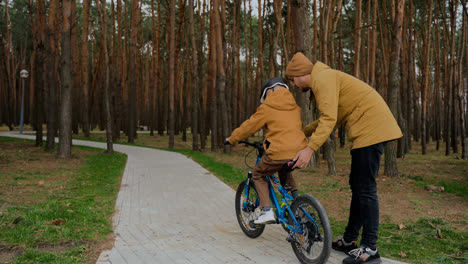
[364, 211]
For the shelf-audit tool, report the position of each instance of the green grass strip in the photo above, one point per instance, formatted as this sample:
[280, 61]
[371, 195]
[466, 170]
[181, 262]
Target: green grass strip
[85, 205]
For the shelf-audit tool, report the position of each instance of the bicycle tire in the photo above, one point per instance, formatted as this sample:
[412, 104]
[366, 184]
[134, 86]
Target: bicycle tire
[244, 218]
[310, 247]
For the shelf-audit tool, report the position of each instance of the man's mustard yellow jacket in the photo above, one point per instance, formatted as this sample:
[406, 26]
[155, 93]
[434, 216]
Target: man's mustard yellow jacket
[344, 99]
[281, 118]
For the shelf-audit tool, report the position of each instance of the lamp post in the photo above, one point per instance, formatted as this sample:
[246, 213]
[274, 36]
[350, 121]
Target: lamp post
[24, 74]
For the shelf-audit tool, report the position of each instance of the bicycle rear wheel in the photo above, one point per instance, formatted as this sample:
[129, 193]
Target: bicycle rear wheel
[313, 245]
[248, 213]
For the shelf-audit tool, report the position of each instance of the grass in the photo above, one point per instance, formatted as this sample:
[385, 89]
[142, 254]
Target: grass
[69, 208]
[427, 240]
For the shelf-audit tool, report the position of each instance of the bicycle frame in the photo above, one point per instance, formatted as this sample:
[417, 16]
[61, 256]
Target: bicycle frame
[302, 217]
[280, 210]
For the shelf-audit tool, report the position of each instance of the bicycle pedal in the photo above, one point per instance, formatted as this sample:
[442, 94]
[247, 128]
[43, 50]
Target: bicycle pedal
[253, 225]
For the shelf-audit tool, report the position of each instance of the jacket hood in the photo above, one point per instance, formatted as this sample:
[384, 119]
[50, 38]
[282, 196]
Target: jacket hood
[281, 99]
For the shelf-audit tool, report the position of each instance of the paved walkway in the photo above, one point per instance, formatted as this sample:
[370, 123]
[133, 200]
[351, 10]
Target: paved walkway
[171, 210]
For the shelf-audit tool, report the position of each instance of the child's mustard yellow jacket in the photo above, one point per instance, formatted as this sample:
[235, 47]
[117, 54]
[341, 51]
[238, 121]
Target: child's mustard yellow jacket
[281, 118]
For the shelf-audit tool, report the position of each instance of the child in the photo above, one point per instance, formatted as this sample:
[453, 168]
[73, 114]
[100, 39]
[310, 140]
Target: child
[281, 118]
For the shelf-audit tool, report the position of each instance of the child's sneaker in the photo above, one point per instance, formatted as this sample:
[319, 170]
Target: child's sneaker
[266, 217]
[343, 246]
[363, 255]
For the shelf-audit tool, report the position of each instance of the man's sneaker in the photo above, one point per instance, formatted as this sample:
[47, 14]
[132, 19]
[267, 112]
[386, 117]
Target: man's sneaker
[343, 246]
[266, 217]
[363, 255]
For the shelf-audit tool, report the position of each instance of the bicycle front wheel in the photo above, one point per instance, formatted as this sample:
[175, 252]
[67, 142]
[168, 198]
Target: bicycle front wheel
[247, 210]
[313, 244]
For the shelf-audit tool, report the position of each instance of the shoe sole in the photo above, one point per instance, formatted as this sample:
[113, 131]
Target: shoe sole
[266, 222]
[375, 261]
[339, 250]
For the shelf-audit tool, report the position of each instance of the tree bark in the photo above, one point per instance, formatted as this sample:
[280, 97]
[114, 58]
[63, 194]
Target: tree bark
[425, 74]
[453, 84]
[76, 77]
[357, 39]
[220, 74]
[132, 115]
[394, 89]
[65, 121]
[462, 82]
[171, 72]
[52, 80]
[195, 81]
[107, 104]
[84, 63]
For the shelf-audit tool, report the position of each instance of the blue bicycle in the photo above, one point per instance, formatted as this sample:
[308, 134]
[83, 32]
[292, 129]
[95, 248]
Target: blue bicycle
[304, 218]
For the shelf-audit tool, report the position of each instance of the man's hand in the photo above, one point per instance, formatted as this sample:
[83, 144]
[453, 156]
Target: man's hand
[303, 157]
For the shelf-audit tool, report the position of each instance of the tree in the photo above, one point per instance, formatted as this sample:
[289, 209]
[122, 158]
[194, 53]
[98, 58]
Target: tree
[425, 74]
[171, 72]
[132, 118]
[220, 73]
[65, 121]
[195, 82]
[107, 106]
[52, 80]
[394, 89]
[84, 67]
[39, 69]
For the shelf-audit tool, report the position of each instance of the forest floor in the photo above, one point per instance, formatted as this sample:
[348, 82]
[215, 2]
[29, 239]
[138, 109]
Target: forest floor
[417, 225]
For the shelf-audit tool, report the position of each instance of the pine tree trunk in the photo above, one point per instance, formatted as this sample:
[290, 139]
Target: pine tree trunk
[107, 104]
[220, 74]
[52, 80]
[65, 121]
[357, 39]
[195, 81]
[462, 81]
[453, 84]
[84, 68]
[394, 90]
[425, 74]
[39, 72]
[171, 72]
[132, 115]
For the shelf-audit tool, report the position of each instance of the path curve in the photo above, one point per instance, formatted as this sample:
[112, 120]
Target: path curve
[171, 210]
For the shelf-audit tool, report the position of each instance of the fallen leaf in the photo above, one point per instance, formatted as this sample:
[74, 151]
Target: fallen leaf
[57, 221]
[403, 255]
[41, 182]
[401, 226]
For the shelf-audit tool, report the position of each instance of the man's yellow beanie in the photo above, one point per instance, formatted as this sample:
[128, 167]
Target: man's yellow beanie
[299, 65]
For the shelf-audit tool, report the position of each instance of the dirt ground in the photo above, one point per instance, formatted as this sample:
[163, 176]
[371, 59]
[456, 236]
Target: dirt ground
[400, 199]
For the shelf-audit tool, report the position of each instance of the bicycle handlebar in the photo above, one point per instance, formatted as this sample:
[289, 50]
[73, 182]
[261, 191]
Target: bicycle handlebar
[256, 145]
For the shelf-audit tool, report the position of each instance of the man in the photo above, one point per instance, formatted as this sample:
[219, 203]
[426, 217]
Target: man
[344, 99]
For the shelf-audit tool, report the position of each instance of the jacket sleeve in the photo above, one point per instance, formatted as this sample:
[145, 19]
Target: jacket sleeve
[310, 128]
[250, 126]
[326, 93]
